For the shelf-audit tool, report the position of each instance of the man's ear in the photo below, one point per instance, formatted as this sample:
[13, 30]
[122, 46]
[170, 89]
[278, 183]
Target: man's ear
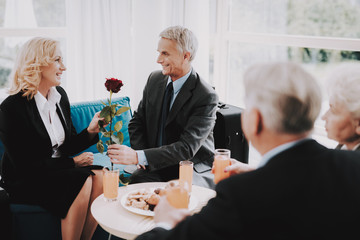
[357, 126]
[187, 56]
[257, 121]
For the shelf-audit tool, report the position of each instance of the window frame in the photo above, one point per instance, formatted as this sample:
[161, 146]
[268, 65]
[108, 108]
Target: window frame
[223, 36]
[55, 32]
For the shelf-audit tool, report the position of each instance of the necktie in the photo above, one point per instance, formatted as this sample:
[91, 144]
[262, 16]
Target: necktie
[161, 139]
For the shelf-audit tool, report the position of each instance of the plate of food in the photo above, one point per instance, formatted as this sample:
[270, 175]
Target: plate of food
[143, 201]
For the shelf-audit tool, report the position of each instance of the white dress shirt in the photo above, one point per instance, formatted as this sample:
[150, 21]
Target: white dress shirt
[343, 147]
[50, 118]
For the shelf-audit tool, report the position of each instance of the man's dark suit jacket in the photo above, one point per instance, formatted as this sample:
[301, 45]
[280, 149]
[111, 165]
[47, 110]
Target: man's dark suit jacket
[188, 129]
[305, 192]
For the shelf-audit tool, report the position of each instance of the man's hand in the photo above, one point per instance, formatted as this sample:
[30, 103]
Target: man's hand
[236, 167]
[165, 213]
[84, 159]
[121, 154]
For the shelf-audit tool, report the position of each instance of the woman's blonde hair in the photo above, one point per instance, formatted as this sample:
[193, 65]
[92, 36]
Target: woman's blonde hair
[26, 76]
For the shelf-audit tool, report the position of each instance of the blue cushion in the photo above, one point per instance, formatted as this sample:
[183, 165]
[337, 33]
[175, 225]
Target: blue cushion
[104, 160]
[83, 112]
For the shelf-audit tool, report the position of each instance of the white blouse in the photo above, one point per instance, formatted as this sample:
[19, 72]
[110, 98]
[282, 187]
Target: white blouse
[50, 118]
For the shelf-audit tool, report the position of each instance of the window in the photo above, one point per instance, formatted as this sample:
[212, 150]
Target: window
[23, 19]
[317, 34]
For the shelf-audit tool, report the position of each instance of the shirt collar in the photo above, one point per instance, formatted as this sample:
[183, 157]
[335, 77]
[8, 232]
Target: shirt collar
[344, 147]
[177, 85]
[275, 151]
[53, 98]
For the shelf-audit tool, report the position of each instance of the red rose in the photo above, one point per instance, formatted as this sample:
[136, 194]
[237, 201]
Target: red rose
[113, 84]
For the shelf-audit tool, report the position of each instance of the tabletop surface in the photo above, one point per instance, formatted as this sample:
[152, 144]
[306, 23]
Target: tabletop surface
[118, 221]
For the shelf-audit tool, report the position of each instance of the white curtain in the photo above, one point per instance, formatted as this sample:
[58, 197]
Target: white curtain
[98, 38]
[14, 9]
[118, 38]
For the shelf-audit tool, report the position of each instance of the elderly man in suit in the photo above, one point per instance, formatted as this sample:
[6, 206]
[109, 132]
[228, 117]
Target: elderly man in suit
[175, 118]
[301, 190]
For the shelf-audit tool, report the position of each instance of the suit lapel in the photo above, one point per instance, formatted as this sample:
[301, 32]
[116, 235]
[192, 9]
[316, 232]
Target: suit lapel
[62, 119]
[64, 116]
[38, 123]
[156, 96]
[182, 97]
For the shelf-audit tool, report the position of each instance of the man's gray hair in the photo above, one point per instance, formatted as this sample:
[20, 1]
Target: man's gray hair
[344, 87]
[287, 96]
[185, 39]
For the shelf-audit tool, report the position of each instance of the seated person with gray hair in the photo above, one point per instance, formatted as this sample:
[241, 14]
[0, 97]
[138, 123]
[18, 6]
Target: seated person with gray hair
[301, 189]
[175, 118]
[343, 117]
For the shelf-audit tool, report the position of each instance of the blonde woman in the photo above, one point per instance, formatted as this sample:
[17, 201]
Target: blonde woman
[39, 140]
[343, 117]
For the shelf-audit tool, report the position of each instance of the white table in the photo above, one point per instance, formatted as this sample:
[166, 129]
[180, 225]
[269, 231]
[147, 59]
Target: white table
[118, 221]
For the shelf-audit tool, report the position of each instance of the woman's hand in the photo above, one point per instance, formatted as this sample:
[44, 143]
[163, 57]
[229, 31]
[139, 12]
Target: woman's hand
[94, 124]
[84, 159]
[121, 154]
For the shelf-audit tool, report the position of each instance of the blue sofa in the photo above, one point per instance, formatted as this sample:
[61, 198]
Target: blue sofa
[83, 112]
[34, 222]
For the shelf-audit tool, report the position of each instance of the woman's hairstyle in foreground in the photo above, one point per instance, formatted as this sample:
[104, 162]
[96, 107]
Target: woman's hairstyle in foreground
[344, 87]
[185, 39]
[287, 96]
[26, 75]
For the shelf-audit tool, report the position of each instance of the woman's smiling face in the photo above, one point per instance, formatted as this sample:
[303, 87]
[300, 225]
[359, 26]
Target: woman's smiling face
[51, 74]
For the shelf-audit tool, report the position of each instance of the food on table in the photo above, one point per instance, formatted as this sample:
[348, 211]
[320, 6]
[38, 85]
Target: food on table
[145, 199]
[153, 200]
[160, 191]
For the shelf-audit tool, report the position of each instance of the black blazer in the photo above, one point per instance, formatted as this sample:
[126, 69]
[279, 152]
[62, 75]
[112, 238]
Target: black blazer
[27, 144]
[305, 192]
[189, 126]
